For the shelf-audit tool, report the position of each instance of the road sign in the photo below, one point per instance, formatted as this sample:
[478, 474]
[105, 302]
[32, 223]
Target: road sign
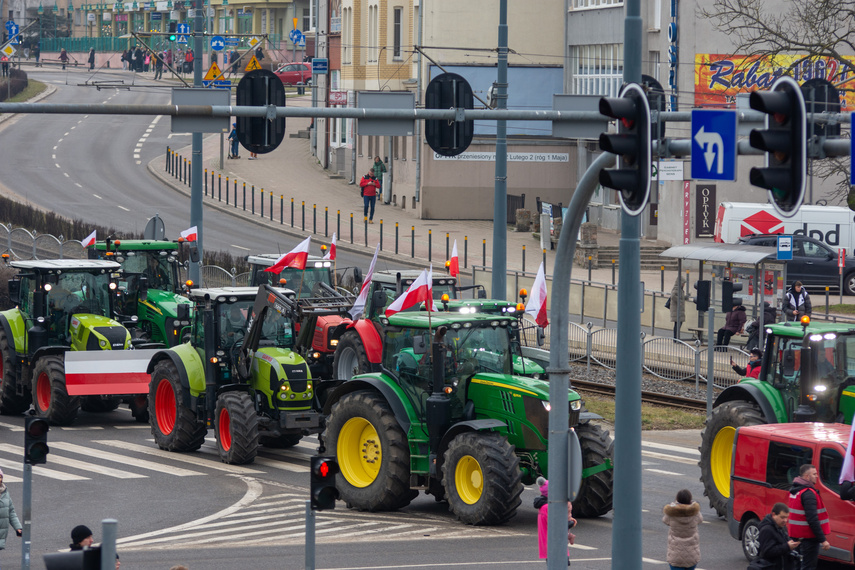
[320, 66]
[213, 72]
[182, 40]
[232, 41]
[713, 144]
[841, 258]
[302, 42]
[295, 35]
[218, 43]
[10, 24]
[253, 64]
[220, 84]
[12, 29]
[183, 28]
[253, 42]
[785, 248]
[8, 50]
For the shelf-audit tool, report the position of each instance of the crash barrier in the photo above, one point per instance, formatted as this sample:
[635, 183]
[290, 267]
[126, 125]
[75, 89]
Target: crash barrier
[118, 44]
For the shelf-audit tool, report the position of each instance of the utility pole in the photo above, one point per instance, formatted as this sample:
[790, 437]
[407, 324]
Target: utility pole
[500, 194]
[196, 168]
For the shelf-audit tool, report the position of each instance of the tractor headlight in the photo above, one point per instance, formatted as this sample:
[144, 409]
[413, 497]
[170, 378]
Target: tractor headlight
[536, 376]
[820, 388]
[546, 405]
[576, 405]
[334, 342]
[103, 343]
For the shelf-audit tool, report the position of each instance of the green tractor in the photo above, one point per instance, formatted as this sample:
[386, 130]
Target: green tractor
[150, 286]
[64, 308]
[807, 375]
[240, 373]
[454, 422]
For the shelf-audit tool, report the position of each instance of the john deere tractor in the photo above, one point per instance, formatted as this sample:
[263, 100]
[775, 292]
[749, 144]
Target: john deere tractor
[240, 373]
[443, 413]
[62, 306]
[807, 375]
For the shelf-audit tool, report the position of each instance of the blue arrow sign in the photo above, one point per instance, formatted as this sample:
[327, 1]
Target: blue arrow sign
[218, 43]
[295, 36]
[183, 28]
[713, 144]
[11, 24]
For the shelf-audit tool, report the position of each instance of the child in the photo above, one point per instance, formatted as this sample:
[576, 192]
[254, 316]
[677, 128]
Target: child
[683, 516]
[542, 506]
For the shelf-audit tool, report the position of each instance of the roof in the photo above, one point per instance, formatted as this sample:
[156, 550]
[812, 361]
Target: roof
[66, 264]
[723, 253]
[795, 329]
[809, 431]
[268, 259]
[241, 292]
[419, 319]
[137, 244]
[391, 276]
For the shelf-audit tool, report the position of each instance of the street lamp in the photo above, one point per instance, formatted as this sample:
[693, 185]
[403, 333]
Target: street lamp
[41, 10]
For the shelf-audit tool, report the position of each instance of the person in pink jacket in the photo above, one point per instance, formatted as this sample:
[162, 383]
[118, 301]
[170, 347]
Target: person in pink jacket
[542, 507]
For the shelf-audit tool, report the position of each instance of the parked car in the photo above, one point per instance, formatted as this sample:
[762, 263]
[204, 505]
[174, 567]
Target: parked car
[766, 459]
[813, 263]
[294, 73]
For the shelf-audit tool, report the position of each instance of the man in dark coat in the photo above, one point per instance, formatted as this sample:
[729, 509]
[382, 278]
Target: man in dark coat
[775, 545]
[796, 303]
[734, 321]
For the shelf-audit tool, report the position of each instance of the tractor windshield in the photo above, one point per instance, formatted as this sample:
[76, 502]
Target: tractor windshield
[481, 349]
[78, 293]
[301, 281]
[157, 269]
[231, 318]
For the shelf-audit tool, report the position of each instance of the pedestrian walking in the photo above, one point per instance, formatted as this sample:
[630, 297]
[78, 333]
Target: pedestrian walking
[158, 65]
[684, 543]
[4, 64]
[91, 59]
[8, 517]
[147, 62]
[776, 550]
[37, 52]
[63, 57]
[809, 521]
[677, 304]
[368, 184]
[541, 503]
[26, 46]
[252, 155]
[752, 369]
[233, 139]
[379, 170]
[124, 59]
[138, 59]
[233, 61]
[81, 537]
[796, 303]
[734, 323]
[188, 61]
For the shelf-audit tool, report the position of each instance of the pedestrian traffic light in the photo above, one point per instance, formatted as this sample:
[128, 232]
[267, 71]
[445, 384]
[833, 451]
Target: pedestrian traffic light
[632, 146]
[173, 28]
[784, 141]
[323, 472]
[35, 440]
[728, 301]
[703, 298]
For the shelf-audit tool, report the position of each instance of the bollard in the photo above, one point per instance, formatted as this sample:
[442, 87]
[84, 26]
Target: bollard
[447, 254]
[613, 271]
[292, 212]
[365, 219]
[544, 259]
[338, 222]
[244, 197]
[234, 195]
[252, 197]
[314, 218]
[413, 242]
[381, 234]
[484, 252]
[326, 221]
[465, 250]
[303, 213]
[826, 302]
[590, 257]
[167, 159]
[661, 277]
[185, 170]
[351, 227]
[227, 190]
[189, 173]
[206, 181]
[219, 188]
[430, 243]
[523, 258]
[396, 238]
[212, 184]
[281, 209]
[261, 199]
[271, 205]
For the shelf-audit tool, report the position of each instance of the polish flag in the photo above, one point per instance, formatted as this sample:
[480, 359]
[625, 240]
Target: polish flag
[359, 306]
[848, 471]
[420, 291]
[190, 235]
[330, 254]
[295, 258]
[536, 306]
[454, 268]
[90, 240]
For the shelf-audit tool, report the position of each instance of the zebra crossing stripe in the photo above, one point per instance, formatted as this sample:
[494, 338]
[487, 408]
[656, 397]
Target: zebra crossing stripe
[43, 471]
[211, 462]
[276, 464]
[123, 459]
[75, 464]
[12, 427]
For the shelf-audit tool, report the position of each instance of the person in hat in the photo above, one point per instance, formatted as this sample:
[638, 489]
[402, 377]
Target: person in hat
[8, 517]
[683, 516]
[752, 369]
[233, 138]
[91, 59]
[81, 537]
[542, 506]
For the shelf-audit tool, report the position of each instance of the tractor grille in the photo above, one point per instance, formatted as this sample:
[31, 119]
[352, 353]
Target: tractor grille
[507, 402]
[115, 337]
[296, 371]
[298, 386]
[574, 418]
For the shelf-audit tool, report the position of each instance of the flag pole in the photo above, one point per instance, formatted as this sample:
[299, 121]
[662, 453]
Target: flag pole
[335, 275]
[300, 290]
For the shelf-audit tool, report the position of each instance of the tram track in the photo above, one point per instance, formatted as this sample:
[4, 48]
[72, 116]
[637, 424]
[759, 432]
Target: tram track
[668, 400]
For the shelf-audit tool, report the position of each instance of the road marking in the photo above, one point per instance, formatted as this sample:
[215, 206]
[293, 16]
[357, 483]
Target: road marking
[239, 247]
[75, 464]
[122, 207]
[140, 426]
[57, 165]
[124, 459]
[78, 184]
[208, 462]
[667, 457]
[142, 140]
[84, 428]
[57, 146]
[11, 427]
[136, 156]
[97, 196]
[664, 472]
[66, 174]
[65, 135]
[59, 141]
[666, 447]
[139, 144]
[583, 547]
[178, 135]
[280, 465]
[53, 156]
[74, 127]
[50, 473]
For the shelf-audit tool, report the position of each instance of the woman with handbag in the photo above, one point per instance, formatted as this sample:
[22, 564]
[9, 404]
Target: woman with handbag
[677, 304]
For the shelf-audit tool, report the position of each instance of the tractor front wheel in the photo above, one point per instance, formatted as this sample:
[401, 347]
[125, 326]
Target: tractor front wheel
[372, 453]
[350, 358]
[173, 425]
[11, 403]
[50, 397]
[482, 478]
[595, 493]
[237, 428]
[717, 448]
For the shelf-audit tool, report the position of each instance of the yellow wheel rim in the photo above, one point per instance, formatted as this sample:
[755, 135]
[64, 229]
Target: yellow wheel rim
[720, 458]
[469, 479]
[359, 452]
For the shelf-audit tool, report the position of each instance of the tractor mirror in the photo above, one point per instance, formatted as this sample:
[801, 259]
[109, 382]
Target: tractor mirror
[357, 275]
[182, 312]
[482, 294]
[420, 344]
[378, 300]
[15, 291]
[541, 336]
[194, 253]
[788, 364]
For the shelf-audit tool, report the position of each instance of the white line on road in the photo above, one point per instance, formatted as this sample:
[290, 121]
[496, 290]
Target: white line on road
[65, 135]
[124, 459]
[239, 247]
[97, 196]
[280, 465]
[667, 457]
[84, 428]
[122, 207]
[666, 447]
[78, 185]
[53, 156]
[11, 427]
[66, 174]
[75, 464]
[57, 165]
[50, 473]
[54, 148]
[664, 472]
[191, 459]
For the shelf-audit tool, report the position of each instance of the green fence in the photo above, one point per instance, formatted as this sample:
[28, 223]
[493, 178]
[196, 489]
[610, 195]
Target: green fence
[119, 44]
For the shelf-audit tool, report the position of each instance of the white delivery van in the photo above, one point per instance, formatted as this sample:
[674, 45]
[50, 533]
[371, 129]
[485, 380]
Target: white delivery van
[829, 224]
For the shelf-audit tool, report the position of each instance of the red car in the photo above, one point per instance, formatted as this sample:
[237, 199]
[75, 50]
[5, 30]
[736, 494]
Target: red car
[294, 73]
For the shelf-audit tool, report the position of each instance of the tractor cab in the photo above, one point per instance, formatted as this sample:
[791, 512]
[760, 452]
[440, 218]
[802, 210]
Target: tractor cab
[386, 286]
[301, 281]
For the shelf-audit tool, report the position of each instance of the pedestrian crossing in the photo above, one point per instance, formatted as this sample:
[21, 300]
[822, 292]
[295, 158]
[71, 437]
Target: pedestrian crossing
[666, 459]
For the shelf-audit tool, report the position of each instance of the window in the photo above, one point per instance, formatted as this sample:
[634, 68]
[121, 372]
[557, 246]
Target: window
[830, 464]
[812, 249]
[783, 463]
[396, 33]
[597, 69]
[582, 4]
[346, 35]
[307, 19]
[373, 33]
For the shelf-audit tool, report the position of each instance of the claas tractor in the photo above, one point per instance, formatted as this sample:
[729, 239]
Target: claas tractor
[240, 373]
[807, 375]
[442, 412]
[63, 315]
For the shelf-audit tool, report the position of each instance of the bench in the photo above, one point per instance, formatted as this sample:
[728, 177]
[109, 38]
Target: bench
[698, 333]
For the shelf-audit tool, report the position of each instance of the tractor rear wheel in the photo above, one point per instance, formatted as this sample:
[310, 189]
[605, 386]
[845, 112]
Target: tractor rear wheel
[10, 402]
[717, 448]
[482, 478]
[283, 441]
[350, 358]
[237, 428]
[596, 491]
[99, 405]
[372, 452]
[173, 426]
[50, 397]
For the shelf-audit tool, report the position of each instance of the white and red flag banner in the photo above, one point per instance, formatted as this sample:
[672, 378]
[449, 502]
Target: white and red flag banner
[536, 306]
[848, 471]
[295, 258]
[454, 266]
[359, 306]
[89, 240]
[421, 291]
[330, 254]
[190, 234]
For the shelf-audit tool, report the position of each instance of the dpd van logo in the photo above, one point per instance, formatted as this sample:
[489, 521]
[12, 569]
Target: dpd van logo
[761, 223]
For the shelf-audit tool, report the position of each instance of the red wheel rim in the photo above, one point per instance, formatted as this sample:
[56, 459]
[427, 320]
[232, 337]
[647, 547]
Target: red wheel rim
[224, 429]
[165, 408]
[43, 391]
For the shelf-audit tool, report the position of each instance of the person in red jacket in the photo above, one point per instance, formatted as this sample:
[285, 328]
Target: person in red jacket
[752, 369]
[369, 195]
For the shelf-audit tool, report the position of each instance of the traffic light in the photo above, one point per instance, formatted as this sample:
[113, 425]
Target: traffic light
[35, 440]
[784, 141]
[632, 145]
[449, 91]
[703, 299]
[728, 288]
[323, 472]
[173, 28]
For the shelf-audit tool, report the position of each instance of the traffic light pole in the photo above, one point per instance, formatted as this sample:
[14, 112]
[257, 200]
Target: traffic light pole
[196, 167]
[310, 536]
[500, 194]
[27, 513]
